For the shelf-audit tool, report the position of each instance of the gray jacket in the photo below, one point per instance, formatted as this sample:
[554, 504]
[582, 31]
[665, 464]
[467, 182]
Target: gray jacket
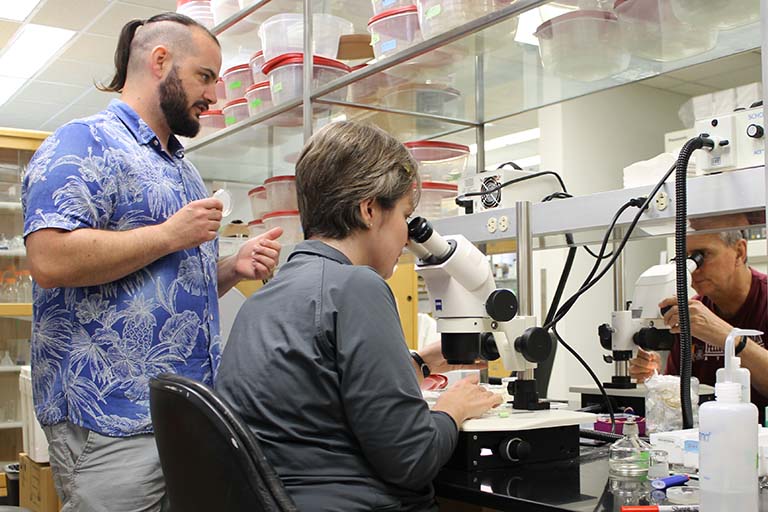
[317, 365]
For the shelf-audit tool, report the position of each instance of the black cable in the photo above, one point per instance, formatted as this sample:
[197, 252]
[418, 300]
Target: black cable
[511, 182]
[597, 256]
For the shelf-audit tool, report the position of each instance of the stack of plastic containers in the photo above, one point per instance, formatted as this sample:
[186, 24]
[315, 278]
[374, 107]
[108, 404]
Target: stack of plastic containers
[394, 30]
[286, 76]
[223, 9]
[441, 164]
[284, 33]
[198, 10]
[437, 200]
[436, 99]
[722, 14]
[437, 16]
[279, 198]
[211, 121]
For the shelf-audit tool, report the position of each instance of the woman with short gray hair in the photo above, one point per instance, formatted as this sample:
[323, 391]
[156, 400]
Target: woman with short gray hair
[316, 362]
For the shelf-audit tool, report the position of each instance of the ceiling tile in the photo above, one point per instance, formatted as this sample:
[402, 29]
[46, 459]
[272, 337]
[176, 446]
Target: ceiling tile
[7, 29]
[25, 114]
[59, 13]
[662, 82]
[50, 93]
[67, 115]
[112, 21]
[92, 48]
[733, 78]
[95, 100]
[159, 5]
[719, 66]
[691, 89]
[72, 72]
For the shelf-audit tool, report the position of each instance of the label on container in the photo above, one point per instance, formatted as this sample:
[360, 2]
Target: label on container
[277, 87]
[374, 38]
[256, 103]
[388, 46]
[230, 120]
[237, 84]
[434, 11]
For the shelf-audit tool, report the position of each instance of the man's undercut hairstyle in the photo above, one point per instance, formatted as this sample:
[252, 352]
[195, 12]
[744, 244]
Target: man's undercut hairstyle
[345, 164]
[139, 37]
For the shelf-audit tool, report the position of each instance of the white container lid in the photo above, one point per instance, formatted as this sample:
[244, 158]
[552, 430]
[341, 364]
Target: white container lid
[544, 31]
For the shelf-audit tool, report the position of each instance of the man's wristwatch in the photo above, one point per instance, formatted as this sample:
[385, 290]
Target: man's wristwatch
[741, 346]
[420, 363]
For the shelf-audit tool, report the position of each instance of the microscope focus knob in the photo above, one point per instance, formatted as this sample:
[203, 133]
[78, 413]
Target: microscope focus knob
[755, 131]
[501, 305]
[535, 344]
[514, 449]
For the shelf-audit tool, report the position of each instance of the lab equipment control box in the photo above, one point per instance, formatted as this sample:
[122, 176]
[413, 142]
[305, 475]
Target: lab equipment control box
[534, 189]
[740, 139]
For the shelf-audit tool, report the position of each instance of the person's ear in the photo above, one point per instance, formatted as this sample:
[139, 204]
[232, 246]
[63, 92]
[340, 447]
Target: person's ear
[160, 61]
[368, 211]
[741, 251]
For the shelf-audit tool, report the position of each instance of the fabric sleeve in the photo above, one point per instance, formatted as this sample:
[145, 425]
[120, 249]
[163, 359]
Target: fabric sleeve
[403, 441]
[64, 185]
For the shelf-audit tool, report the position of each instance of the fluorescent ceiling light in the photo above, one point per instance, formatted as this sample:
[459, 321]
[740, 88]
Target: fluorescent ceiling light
[8, 86]
[31, 48]
[17, 10]
[508, 140]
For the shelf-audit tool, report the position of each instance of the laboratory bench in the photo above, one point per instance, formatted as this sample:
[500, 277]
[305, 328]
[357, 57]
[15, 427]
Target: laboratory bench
[581, 484]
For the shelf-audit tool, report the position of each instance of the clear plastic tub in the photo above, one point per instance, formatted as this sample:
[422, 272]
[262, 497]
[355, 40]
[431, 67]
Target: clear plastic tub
[425, 98]
[286, 76]
[223, 9]
[258, 199]
[393, 31]
[281, 193]
[437, 16]
[236, 111]
[652, 31]
[722, 14]
[284, 33]
[437, 200]
[439, 161]
[290, 222]
[259, 98]
[583, 45]
[236, 80]
[256, 63]
[256, 227]
[211, 121]
[371, 87]
[379, 6]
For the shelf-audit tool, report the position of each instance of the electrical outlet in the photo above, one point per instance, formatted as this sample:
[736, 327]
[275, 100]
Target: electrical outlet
[503, 223]
[662, 201]
[491, 225]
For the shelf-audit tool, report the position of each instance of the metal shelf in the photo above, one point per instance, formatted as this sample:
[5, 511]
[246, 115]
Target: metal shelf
[730, 192]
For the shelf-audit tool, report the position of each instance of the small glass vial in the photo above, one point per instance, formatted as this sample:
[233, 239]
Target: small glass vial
[629, 455]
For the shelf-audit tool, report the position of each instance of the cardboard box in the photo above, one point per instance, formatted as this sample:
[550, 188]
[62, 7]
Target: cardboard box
[36, 490]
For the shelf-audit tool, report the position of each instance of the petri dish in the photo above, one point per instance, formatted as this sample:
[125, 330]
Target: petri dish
[226, 200]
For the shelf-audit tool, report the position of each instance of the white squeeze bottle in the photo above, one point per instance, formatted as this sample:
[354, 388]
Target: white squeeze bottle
[728, 453]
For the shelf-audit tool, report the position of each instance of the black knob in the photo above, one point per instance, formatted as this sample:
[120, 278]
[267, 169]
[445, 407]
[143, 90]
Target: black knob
[488, 349]
[605, 334]
[514, 449]
[535, 344]
[501, 305]
[755, 131]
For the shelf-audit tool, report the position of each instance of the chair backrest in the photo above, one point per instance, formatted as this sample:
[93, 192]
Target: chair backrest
[211, 461]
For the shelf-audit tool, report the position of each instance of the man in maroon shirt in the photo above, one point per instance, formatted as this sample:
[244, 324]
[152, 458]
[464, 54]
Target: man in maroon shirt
[730, 294]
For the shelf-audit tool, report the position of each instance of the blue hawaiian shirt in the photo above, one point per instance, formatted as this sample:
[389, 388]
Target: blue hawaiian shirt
[95, 348]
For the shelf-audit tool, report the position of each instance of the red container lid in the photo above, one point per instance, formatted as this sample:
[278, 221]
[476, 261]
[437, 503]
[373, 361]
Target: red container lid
[255, 222]
[359, 66]
[544, 31]
[260, 85]
[298, 58]
[433, 185]
[239, 67]
[280, 213]
[211, 113]
[258, 54]
[238, 101]
[260, 188]
[392, 12]
[274, 179]
[436, 144]
[179, 3]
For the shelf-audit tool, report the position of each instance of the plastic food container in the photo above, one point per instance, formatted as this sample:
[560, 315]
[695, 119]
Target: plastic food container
[199, 11]
[284, 33]
[379, 6]
[437, 16]
[582, 45]
[395, 30]
[256, 227]
[281, 193]
[439, 161]
[223, 9]
[371, 87]
[211, 121]
[236, 111]
[256, 63]
[290, 222]
[425, 98]
[652, 31]
[437, 200]
[258, 199]
[722, 14]
[287, 80]
[259, 98]
[236, 80]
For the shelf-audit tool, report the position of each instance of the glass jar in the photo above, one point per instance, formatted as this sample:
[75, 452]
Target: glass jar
[629, 456]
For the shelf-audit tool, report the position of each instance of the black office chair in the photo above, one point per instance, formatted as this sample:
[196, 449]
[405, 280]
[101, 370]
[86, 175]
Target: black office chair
[211, 461]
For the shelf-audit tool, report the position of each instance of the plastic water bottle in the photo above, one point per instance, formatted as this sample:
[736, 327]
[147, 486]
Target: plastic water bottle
[728, 452]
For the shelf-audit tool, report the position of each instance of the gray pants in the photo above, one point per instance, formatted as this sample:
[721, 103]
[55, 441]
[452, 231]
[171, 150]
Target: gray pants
[95, 473]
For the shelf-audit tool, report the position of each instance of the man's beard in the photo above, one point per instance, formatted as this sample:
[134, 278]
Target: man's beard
[175, 106]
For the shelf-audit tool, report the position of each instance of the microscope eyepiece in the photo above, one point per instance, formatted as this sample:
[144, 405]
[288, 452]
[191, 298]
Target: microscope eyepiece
[419, 230]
